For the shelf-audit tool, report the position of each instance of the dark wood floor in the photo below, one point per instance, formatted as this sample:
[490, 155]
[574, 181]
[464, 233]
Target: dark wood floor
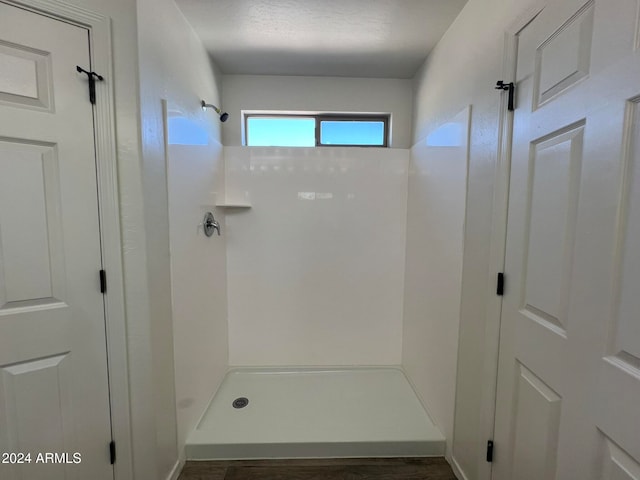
[432, 468]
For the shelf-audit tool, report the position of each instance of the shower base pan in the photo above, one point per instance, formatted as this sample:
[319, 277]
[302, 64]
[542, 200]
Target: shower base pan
[314, 413]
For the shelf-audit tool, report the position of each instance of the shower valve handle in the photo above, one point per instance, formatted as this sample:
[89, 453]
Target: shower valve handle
[210, 224]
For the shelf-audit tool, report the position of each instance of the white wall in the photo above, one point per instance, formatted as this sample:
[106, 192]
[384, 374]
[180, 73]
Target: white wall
[433, 271]
[333, 94]
[315, 267]
[174, 67]
[462, 70]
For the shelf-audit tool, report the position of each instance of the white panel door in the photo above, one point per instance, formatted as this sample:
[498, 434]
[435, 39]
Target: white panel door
[54, 394]
[568, 399]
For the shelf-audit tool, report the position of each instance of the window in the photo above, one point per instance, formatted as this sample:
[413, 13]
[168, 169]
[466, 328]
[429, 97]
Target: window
[323, 130]
[281, 131]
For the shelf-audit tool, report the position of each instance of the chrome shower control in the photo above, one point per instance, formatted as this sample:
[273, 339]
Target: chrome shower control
[210, 224]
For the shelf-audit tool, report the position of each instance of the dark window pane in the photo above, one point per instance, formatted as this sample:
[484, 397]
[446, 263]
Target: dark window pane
[281, 132]
[351, 132]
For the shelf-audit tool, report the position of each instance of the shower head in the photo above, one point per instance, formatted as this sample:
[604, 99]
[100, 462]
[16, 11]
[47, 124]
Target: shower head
[224, 116]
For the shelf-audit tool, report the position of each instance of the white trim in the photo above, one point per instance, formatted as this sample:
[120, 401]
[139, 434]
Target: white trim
[458, 472]
[99, 28]
[469, 110]
[522, 18]
[498, 240]
[496, 256]
[177, 468]
[448, 451]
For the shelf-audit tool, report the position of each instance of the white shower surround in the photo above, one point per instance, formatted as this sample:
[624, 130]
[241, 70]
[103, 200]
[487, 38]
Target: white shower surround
[316, 266]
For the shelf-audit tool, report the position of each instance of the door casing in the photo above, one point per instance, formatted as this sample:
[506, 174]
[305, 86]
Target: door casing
[498, 242]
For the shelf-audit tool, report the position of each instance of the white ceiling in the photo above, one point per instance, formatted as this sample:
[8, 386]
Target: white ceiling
[352, 38]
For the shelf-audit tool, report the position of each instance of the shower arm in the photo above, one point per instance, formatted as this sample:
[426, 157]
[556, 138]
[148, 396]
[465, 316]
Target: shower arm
[223, 115]
[206, 105]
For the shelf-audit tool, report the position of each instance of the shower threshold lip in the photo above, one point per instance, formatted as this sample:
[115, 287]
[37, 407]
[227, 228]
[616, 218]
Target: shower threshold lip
[261, 451]
[315, 412]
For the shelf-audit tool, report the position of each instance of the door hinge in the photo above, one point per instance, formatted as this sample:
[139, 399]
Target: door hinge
[489, 451]
[112, 452]
[103, 281]
[91, 76]
[500, 284]
[511, 88]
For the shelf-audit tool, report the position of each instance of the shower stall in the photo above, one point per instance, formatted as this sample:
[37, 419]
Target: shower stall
[317, 347]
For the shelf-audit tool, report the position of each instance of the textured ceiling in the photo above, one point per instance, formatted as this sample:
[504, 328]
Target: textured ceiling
[354, 38]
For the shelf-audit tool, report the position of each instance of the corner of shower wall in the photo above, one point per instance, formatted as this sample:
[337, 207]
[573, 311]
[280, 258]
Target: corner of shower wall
[183, 156]
[433, 274]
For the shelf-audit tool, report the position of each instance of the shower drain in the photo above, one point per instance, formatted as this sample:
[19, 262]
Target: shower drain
[240, 402]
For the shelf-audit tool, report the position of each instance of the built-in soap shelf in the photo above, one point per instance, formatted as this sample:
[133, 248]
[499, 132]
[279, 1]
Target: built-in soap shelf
[226, 204]
[237, 200]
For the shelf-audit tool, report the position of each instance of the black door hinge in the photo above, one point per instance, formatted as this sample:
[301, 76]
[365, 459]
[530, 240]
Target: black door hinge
[500, 284]
[92, 76]
[103, 281]
[511, 88]
[489, 451]
[112, 452]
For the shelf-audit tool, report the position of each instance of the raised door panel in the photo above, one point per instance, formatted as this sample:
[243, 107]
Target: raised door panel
[618, 465]
[619, 376]
[25, 76]
[36, 414]
[31, 254]
[625, 341]
[565, 57]
[554, 177]
[535, 435]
